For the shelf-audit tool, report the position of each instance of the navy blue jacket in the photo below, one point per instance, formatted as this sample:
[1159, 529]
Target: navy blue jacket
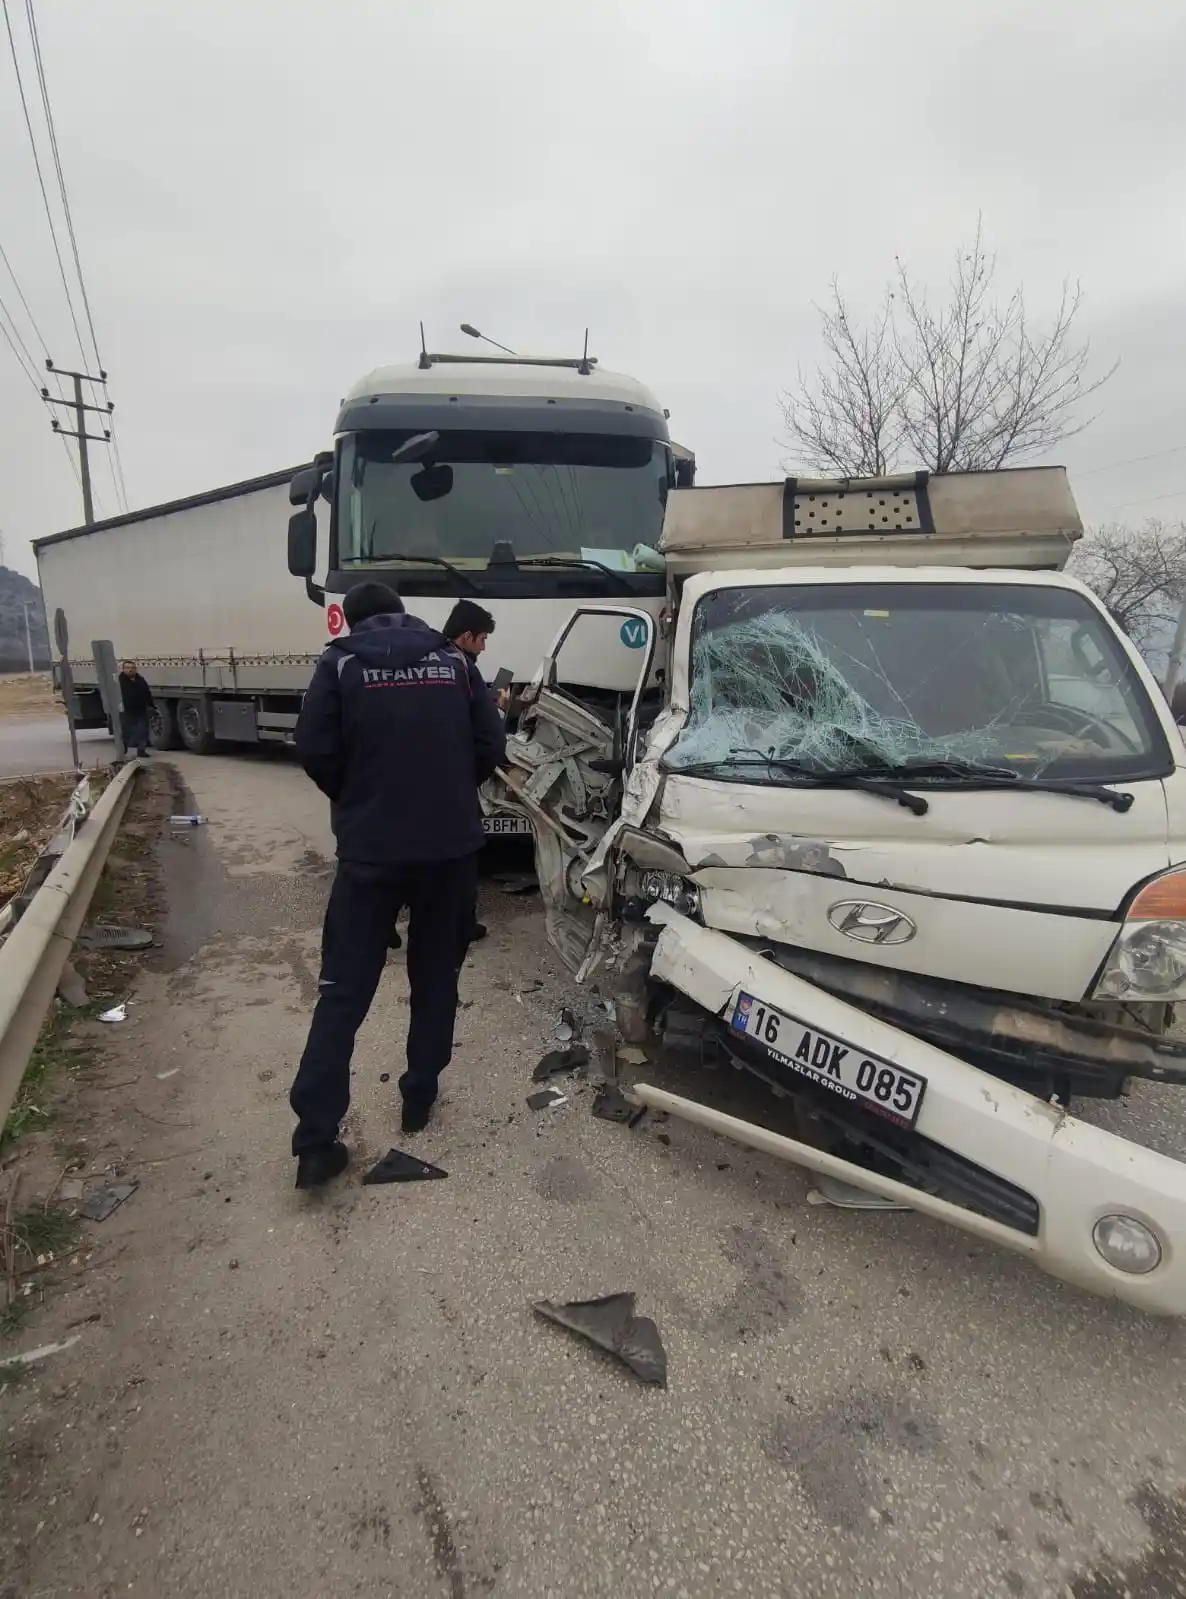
[398, 730]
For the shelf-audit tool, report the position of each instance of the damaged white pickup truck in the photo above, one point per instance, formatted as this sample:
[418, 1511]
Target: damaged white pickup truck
[895, 821]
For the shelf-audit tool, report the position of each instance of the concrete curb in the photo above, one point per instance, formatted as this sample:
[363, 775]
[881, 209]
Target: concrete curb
[32, 958]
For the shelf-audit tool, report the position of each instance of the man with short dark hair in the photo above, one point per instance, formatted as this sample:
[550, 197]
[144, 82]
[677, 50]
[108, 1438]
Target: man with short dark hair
[136, 701]
[469, 627]
[398, 731]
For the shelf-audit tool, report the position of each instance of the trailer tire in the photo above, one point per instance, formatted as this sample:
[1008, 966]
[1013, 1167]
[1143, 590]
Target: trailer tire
[193, 727]
[162, 725]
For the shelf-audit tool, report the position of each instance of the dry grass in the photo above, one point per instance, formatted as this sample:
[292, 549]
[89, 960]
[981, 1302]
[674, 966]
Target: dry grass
[25, 697]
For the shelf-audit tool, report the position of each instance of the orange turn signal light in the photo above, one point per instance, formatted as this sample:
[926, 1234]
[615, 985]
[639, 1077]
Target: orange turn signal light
[1162, 900]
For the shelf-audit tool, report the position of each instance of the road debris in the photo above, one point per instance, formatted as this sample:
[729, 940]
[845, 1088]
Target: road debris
[546, 1099]
[117, 1013]
[558, 1061]
[611, 1324]
[567, 1028]
[630, 1055]
[187, 821]
[611, 1105]
[32, 1356]
[102, 937]
[101, 1204]
[398, 1167]
[517, 882]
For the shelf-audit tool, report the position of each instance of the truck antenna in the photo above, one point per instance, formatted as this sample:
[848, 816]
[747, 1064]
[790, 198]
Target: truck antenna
[425, 362]
[585, 369]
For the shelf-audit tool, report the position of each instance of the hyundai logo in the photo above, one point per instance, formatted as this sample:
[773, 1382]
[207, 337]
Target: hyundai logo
[871, 923]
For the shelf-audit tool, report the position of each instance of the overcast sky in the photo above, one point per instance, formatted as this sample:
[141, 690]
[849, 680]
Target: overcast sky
[268, 197]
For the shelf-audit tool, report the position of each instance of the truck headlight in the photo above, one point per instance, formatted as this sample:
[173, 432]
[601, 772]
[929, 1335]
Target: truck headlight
[1148, 959]
[672, 890]
[1127, 1244]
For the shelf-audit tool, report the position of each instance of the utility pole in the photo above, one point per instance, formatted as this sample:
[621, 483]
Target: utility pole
[79, 432]
[1177, 650]
[28, 636]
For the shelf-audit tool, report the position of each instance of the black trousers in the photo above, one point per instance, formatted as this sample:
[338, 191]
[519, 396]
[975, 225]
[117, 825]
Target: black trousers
[358, 921]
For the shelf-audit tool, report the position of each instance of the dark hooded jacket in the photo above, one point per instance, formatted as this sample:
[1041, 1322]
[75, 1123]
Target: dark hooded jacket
[398, 730]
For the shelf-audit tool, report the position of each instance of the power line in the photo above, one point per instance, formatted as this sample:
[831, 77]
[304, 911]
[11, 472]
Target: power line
[1149, 499]
[1133, 460]
[41, 180]
[61, 176]
[28, 364]
[21, 296]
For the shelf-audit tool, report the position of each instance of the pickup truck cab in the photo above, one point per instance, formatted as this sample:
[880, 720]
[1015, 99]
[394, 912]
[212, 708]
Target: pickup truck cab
[895, 821]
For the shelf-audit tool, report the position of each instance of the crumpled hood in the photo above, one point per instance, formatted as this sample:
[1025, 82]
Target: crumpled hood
[394, 640]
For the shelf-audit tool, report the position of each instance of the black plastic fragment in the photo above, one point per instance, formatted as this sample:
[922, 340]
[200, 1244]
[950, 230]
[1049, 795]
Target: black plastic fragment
[101, 1204]
[545, 1098]
[396, 1167]
[611, 1104]
[558, 1061]
[611, 1324]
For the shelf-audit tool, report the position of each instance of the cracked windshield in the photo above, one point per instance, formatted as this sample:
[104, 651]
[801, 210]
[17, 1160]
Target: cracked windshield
[1023, 678]
[584, 497]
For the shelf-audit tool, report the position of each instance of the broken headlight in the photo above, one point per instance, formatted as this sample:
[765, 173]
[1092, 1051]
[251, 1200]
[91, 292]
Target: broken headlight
[671, 890]
[1148, 959]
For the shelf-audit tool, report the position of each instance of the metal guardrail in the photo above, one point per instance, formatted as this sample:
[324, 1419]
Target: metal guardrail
[38, 947]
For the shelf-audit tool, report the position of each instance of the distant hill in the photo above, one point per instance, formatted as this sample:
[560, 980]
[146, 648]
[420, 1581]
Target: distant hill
[15, 591]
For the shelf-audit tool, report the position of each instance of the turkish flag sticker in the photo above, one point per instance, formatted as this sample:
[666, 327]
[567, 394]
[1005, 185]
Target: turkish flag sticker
[335, 619]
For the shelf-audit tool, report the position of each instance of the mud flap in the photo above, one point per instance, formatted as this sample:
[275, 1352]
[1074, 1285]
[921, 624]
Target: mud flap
[1076, 1173]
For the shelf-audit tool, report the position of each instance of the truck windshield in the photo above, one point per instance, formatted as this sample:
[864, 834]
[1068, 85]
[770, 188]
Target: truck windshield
[1026, 679]
[591, 497]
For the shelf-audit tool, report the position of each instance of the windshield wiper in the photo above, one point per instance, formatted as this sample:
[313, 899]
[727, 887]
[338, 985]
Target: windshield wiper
[576, 561]
[976, 776]
[433, 560]
[864, 781]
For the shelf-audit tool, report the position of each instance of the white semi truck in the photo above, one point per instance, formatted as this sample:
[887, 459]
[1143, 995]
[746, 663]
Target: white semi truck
[895, 822]
[529, 485]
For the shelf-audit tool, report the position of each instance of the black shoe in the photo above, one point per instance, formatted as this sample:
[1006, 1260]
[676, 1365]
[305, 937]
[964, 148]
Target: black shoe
[317, 1166]
[415, 1116]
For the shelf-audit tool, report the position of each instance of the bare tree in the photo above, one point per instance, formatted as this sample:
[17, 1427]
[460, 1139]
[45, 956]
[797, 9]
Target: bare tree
[1139, 573]
[965, 385]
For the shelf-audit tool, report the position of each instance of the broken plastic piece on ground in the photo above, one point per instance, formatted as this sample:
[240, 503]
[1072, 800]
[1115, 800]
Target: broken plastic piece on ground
[611, 1104]
[847, 1196]
[567, 1028]
[116, 938]
[546, 1099]
[631, 1055]
[117, 1013]
[397, 1167]
[100, 1205]
[32, 1356]
[611, 1324]
[558, 1061]
[187, 821]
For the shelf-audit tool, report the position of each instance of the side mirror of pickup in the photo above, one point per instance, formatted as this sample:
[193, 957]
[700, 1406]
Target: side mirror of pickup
[302, 543]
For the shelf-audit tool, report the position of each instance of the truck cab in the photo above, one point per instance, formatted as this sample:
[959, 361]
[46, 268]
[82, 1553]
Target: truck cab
[896, 824]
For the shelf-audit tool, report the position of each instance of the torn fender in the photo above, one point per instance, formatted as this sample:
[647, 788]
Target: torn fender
[1075, 1172]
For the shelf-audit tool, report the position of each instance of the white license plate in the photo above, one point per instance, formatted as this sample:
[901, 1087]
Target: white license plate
[847, 1071]
[506, 826]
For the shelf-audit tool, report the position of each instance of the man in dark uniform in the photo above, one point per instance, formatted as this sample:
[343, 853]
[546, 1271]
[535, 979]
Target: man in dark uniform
[398, 730]
[136, 700]
[468, 626]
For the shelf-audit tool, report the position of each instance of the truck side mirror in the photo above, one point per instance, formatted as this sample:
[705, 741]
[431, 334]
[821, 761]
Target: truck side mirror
[304, 486]
[302, 543]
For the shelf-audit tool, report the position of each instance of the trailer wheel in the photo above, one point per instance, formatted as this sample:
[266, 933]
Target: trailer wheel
[193, 727]
[162, 725]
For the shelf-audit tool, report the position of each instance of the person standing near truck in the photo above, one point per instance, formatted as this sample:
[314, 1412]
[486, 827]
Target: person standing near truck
[136, 700]
[398, 731]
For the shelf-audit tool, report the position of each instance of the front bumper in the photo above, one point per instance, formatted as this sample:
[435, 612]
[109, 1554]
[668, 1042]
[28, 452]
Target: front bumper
[1076, 1173]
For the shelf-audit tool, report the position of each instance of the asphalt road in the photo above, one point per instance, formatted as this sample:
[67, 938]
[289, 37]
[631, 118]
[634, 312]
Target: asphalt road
[350, 1395]
[44, 746]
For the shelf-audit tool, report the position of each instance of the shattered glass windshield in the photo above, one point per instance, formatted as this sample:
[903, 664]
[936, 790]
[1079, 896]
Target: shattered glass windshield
[1023, 678]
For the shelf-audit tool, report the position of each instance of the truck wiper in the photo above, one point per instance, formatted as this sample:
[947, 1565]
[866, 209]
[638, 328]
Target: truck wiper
[435, 560]
[864, 781]
[975, 775]
[577, 561]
